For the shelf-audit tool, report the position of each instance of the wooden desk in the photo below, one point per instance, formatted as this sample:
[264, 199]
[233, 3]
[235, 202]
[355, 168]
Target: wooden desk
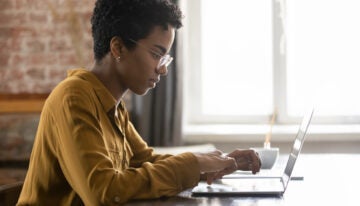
[329, 179]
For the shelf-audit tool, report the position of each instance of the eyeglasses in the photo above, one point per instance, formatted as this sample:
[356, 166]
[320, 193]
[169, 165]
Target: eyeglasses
[164, 60]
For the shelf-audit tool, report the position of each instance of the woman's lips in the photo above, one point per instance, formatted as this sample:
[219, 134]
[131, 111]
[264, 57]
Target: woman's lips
[153, 82]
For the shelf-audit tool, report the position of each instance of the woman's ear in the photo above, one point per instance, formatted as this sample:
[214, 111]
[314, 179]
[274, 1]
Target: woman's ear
[116, 47]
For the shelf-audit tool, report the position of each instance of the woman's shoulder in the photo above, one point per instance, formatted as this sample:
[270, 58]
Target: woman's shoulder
[77, 81]
[74, 86]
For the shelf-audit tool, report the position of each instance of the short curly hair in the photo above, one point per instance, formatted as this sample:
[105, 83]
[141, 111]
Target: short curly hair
[130, 19]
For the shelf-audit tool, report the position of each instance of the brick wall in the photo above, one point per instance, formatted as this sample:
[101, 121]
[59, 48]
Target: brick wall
[39, 41]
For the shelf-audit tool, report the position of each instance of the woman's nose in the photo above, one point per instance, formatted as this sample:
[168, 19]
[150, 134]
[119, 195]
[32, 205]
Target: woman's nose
[162, 70]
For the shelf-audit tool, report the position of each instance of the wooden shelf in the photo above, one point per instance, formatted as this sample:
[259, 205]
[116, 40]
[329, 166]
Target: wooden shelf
[22, 103]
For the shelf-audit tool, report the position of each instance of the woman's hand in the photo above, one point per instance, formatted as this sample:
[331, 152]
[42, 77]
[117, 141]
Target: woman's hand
[214, 162]
[247, 160]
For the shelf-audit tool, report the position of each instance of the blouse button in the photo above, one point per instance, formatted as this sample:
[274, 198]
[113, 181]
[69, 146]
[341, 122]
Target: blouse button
[116, 199]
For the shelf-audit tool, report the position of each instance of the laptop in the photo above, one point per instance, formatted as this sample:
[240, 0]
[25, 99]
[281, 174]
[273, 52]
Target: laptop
[258, 185]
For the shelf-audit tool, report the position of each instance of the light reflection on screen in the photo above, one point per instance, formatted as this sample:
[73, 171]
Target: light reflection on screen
[300, 137]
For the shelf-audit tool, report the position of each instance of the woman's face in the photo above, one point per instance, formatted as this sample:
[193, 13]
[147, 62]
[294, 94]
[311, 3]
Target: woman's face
[139, 66]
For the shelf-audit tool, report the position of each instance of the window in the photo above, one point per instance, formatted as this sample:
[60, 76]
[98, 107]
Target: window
[246, 59]
[323, 44]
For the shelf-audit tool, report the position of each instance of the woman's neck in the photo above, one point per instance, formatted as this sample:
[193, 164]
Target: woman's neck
[106, 73]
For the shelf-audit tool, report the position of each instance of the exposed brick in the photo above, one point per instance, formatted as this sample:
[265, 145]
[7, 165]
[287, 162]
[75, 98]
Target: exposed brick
[36, 73]
[5, 32]
[22, 86]
[15, 75]
[57, 17]
[17, 32]
[4, 46]
[58, 45]
[3, 87]
[88, 4]
[12, 19]
[45, 31]
[31, 4]
[36, 46]
[18, 59]
[10, 80]
[58, 74]
[17, 134]
[76, 5]
[15, 44]
[68, 59]
[6, 5]
[4, 59]
[42, 88]
[58, 5]
[2, 75]
[39, 18]
[10, 45]
[41, 59]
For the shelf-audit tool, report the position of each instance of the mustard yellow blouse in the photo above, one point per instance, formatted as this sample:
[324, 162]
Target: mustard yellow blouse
[87, 152]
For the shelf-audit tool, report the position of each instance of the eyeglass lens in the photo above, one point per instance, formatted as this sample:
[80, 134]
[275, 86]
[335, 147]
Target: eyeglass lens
[165, 61]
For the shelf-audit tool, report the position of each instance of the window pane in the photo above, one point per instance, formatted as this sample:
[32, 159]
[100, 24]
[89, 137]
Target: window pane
[236, 57]
[323, 64]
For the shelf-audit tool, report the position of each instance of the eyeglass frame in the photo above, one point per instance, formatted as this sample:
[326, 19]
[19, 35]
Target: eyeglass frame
[164, 60]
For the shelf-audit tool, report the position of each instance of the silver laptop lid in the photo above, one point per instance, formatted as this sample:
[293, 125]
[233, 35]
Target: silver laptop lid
[298, 143]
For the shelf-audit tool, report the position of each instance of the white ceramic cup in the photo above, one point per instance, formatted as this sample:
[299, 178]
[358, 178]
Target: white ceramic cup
[268, 156]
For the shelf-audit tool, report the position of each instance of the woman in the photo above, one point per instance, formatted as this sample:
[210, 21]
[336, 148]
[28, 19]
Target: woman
[86, 151]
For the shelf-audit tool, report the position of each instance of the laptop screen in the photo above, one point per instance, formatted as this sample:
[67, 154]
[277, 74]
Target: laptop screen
[298, 143]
